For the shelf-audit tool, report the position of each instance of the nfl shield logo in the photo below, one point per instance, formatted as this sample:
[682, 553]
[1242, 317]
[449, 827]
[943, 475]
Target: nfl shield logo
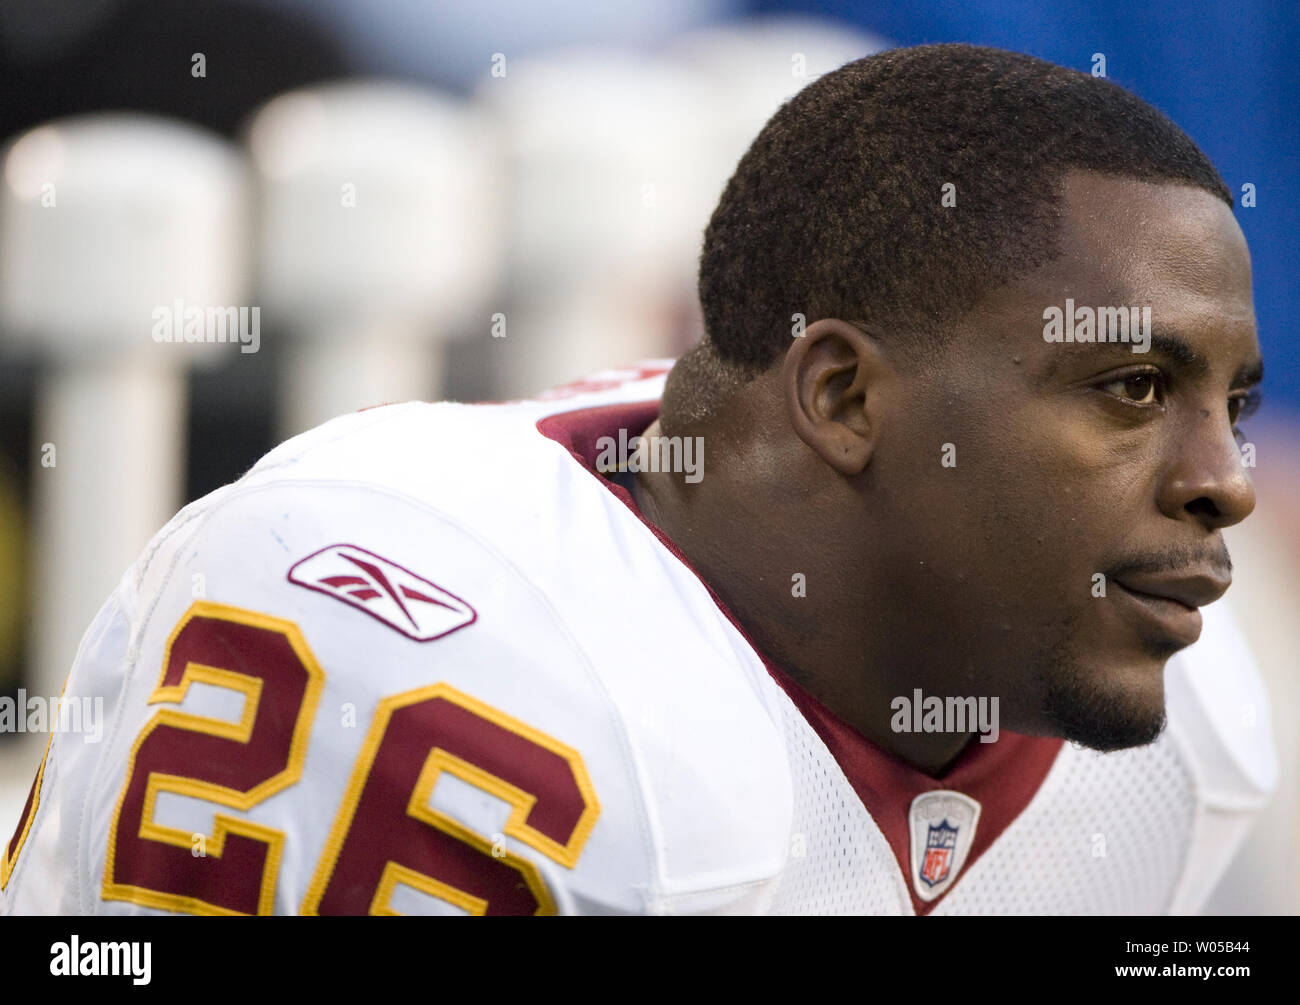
[940, 843]
[941, 825]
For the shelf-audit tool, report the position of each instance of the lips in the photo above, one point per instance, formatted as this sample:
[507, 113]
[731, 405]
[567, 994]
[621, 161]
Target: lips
[1168, 603]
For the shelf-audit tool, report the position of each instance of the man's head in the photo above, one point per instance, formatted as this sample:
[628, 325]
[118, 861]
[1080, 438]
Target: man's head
[989, 512]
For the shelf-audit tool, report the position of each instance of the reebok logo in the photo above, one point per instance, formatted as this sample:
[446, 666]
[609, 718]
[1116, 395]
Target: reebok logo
[408, 603]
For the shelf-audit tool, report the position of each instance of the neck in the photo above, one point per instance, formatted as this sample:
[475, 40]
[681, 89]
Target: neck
[774, 560]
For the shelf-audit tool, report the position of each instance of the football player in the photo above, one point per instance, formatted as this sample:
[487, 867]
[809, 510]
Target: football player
[896, 595]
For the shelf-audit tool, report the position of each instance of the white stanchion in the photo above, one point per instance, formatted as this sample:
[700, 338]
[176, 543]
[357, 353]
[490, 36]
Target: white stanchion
[608, 204]
[379, 237]
[756, 65]
[108, 224]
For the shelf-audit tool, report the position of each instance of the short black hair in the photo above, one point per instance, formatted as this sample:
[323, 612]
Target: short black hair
[835, 210]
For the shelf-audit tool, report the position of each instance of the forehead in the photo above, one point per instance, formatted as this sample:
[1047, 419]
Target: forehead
[1125, 242]
[1151, 241]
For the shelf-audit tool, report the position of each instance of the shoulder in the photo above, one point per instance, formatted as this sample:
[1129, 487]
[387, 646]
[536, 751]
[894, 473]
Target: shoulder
[410, 571]
[1219, 714]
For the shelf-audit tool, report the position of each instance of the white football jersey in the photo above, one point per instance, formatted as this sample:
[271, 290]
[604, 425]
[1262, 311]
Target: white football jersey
[426, 659]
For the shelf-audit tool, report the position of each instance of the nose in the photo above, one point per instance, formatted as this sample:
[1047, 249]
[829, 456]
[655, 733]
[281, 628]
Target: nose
[1206, 480]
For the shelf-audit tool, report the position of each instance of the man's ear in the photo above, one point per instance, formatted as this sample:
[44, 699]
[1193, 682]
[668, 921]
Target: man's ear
[837, 382]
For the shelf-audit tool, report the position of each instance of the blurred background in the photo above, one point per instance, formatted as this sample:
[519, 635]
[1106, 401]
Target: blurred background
[222, 223]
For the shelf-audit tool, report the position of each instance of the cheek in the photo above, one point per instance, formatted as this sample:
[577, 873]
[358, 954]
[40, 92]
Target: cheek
[1017, 495]
[1005, 529]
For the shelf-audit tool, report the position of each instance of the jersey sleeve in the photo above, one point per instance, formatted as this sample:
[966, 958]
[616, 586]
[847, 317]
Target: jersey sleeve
[327, 697]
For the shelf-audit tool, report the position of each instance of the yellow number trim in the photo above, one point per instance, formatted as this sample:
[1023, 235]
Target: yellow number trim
[394, 874]
[7, 861]
[437, 762]
[251, 688]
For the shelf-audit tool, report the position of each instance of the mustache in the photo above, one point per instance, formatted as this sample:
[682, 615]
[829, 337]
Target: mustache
[1175, 560]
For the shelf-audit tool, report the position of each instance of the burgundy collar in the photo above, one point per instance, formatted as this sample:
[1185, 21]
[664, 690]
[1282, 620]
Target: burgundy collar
[1002, 776]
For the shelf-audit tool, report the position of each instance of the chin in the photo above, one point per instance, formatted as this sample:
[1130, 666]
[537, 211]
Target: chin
[1110, 708]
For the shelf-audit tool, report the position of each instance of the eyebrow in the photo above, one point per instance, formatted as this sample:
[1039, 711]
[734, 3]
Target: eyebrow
[1250, 374]
[1177, 349]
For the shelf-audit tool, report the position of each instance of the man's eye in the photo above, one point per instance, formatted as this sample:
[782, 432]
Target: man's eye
[1137, 388]
[1243, 406]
